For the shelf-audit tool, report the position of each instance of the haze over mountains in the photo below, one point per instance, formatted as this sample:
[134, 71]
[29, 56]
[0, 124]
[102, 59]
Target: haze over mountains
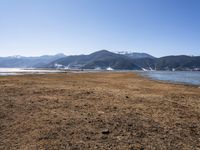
[103, 60]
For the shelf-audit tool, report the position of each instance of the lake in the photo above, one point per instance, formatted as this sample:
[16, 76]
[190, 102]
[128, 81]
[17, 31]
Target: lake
[185, 77]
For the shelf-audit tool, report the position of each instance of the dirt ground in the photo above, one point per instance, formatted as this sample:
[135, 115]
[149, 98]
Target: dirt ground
[88, 111]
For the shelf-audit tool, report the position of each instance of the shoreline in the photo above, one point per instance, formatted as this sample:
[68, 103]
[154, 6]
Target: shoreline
[94, 71]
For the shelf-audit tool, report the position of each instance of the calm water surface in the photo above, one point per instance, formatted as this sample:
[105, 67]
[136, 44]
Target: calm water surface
[20, 71]
[187, 77]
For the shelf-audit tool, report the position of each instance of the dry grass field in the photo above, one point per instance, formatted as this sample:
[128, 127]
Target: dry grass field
[102, 111]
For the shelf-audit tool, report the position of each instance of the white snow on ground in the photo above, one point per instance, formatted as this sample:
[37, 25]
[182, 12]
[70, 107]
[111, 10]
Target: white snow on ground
[144, 69]
[109, 68]
[58, 65]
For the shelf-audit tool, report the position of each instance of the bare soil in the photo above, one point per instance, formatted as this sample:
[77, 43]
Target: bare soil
[82, 111]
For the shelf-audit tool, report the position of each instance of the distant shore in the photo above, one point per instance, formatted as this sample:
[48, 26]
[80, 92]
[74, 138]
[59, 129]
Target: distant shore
[97, 111]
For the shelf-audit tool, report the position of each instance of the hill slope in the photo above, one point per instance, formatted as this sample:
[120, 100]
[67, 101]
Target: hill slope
[181, 62]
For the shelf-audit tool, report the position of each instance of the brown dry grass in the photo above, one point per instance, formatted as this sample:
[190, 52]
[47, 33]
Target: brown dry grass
[97, 111]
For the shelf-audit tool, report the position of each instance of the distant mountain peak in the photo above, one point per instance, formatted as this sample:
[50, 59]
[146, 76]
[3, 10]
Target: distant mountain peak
[56, 55]
[16, 56]
[60, 54]
[102, 51]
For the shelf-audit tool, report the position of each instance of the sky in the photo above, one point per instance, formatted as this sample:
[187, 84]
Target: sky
[157, 27]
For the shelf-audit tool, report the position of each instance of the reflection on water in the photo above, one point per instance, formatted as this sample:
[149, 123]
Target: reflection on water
[8, 74]
[188, 77]
[19, 71]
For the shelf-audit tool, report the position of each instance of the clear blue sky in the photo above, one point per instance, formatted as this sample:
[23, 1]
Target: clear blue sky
[158, 27]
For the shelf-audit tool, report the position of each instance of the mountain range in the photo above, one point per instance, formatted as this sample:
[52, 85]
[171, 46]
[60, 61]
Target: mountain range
[104, 59]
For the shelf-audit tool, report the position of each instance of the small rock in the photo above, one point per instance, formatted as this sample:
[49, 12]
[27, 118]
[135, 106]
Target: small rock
[115, 107]
[105, 131]
[127, 97]
[130, 124]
